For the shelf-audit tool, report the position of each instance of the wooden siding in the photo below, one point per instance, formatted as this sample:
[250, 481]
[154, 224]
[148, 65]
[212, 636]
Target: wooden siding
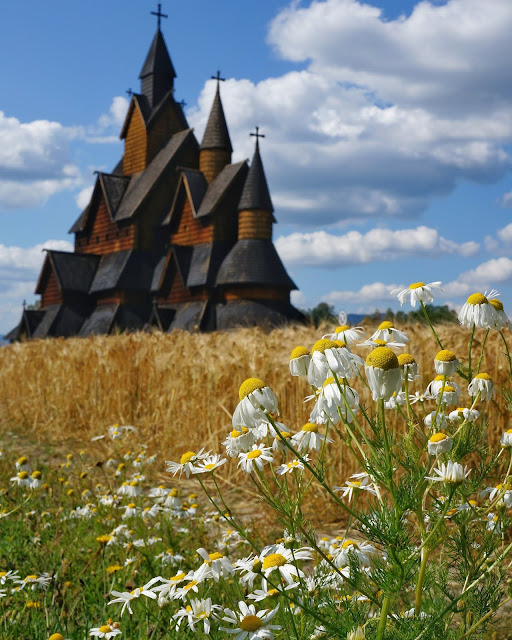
[102, 235]
[174, 291]
[255, 293]
[111, 298]
[52, 293]
[191, 230]
[135, 144]
[165, 126]
[212, 161]
[256, 224]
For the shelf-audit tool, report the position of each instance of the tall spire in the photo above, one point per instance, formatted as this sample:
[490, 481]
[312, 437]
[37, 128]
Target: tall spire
[157, 73]
[256, 194]
[216, 135]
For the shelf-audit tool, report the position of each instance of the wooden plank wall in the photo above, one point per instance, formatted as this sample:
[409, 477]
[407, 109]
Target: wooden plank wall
[52, 293]
[256, 223]
[212, 161]
[256, 293]
[104, 236]
[191, 230]
[135, 145]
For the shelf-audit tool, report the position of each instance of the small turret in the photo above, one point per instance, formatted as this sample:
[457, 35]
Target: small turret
[215, 150]
[157, 73]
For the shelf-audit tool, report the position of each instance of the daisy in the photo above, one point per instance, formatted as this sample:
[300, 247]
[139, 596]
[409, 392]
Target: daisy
[352, 486]
[258, 455]
[331, 404]
[130, 510]
[262, 594]
[9, 575]
[436, 420]
[279, 558]
[308, 438]
[158, 492]
[209, 464]
[250, 569]
[500, 320]
[35, 582]
[294, 465]
[451, 473]
[460, 414]
[109, 630]
[386, 331]
[22, 464]
[346, 334]
[506, 439]
[417, 291]
[186, 463]
[417, 396]
[439, 443]
[239, 440]
[278, 444]
[251, 624]
[449, 395]
[299, 361]
[437, 384]
[127, 596]
[396, 400]
[383, 373]
[215, 566]
[408, 365]
[391, 344]
[506, 498]
[256, 401]
[170, 558]
[167, 588]
[482, 383]
[446, 363]
[362, 550]
[478, 311]
[196, 612]
[22, 479]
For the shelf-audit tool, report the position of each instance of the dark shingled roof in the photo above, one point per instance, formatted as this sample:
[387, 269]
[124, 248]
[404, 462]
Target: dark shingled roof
[128, 269]
[44, 327]
[256, 194]
[218, 187]
[109, 318]
[158, 274]
[60, 320]
[79, 224]
[114, 188]
[254, 262]
[30, 318]
[189, 315]
[248, 313]
[182, 255]
[216, 135]
[205, 262]
[142, 183]
[100, 321]
[158, 60]
[74, 271]
[109, 271]
[195, 185]
[161, 317]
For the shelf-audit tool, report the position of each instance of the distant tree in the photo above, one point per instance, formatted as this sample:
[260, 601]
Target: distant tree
[35, 306]
[323, 312]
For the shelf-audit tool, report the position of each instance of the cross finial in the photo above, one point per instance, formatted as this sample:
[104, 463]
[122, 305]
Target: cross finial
[257, 135]
[218, 78]
[129, 92]
[182, 103]
[159, 14]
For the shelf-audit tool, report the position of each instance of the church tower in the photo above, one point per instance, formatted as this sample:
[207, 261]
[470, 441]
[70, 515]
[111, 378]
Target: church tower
[215, 150]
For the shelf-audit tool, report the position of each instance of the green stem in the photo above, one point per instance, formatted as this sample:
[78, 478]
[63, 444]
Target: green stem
[470, 348]
[482, 352]
[425, 553]
[383, 617]
[430, 325]
[507, 353]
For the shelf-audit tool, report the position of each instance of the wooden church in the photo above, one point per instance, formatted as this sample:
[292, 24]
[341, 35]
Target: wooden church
[175, 237]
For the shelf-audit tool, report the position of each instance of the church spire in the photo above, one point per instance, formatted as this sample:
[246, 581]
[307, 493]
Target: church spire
[215, 149]
[256, 194]
[157, 73]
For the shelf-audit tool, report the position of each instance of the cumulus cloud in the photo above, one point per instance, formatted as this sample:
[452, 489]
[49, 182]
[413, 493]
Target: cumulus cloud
[83, 197]
[386, 114]
[321, 249]
[506, 200]
[108, 126]
[484, 277]
[370, 294]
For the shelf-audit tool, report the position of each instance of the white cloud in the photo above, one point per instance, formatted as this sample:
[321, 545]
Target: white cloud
[369, 294]
[83, 197]
[116, 113]
[321, 249]
[506, 200]
[484, 277]
[386, 114]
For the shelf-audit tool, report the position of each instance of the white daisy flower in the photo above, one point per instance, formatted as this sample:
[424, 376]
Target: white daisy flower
[396, 400]
[127, 596]
[461, 413]
[493, 523]
[362, 550]
[173, 501]
[331, 403]
[284, 434]
[383, 373]
[239, 440]
[308, 438]
[449, 395]
[478, 311]
[22, 479]
[417, 291]
[209, 464]
[417, 396]
[215, 566]
[185, 591]
[35, 582]
[22, 464]
[451, 473]
[506, 439]
[196, 612]
[506, 498]
[348, 335]
[435, 420]
[391, 344]
[437, 384]
[158, 492]
[294, 465]
[186, 463]
[387, 332]
[258, 455]
[256, 400]
[130, 510]
[446, 362]
[501, 319]
[250, 624]
[262, 594]
[107, 631]
[352, 486]
[282, 560]
[408, 365]
[482, 383]
[168, 587]
[328, 357]
[299, 361]
[250, 569]
[9, 575]
[439, 443]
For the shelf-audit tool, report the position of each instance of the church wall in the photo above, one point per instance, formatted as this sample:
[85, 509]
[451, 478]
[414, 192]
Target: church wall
[104, 236]
[256, 293]
[166, 125]
[134, 158]
[178, 293]
[52, 293]
[191, 230]
[255, 224]
[212, 161]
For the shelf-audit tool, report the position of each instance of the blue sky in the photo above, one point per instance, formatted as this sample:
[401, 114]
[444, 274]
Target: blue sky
[388, 131]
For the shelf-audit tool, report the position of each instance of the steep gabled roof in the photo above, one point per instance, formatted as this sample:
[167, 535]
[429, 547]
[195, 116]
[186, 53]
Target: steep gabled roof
[61, 320]
[100, 321]
[256, 194]
[158, 60]
[216, 134]
[218, 188]
[114, 188]
[142, 183]
[205, 262]
[193, 184]
[125, 270]
[141, 103]
[74, 271]
[254, 262]
[248, 313]
[30, 319]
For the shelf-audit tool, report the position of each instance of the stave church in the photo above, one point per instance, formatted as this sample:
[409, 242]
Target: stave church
[175, 237]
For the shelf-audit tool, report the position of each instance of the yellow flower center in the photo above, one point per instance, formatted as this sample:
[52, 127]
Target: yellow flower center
[23, 460]
[386, 325]
[215, 556]
[445, 356]
[449, 389]
[274, 560]
[250, 623]
[187, 457]
[355, 483]
[178, 577]
[209, 466]
[256, 453]
[250, 385]
[134, 483]
[22, 475]
[382, 358]
[235, 433]
[509, 430]
[132, 505]
[190, 585]
[405, 358]
[349, 543]
[56, 636]
[477, 298]
[31, 578]
[484, 376]
[105, 628]
[322, 345]
[113, 568]
[173, 493]
[272, 592]
[340, 344]
[437, 437]
[416, 285]
[104, 538]
[309, 426]
[380, 343]
[342, 328]
[497, 304]
[473, 503]
[298, 352]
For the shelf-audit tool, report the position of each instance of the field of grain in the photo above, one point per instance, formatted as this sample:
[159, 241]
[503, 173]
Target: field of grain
[180, 389]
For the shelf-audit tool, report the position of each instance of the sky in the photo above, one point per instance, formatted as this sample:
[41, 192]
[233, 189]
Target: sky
[388, 129]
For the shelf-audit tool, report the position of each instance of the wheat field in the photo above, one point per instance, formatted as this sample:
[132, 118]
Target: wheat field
[180, 389]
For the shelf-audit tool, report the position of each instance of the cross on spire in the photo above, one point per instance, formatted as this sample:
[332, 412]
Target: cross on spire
[257, 135]
[182, 103]
[218, 78]
[129, 92]
[159, 14]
